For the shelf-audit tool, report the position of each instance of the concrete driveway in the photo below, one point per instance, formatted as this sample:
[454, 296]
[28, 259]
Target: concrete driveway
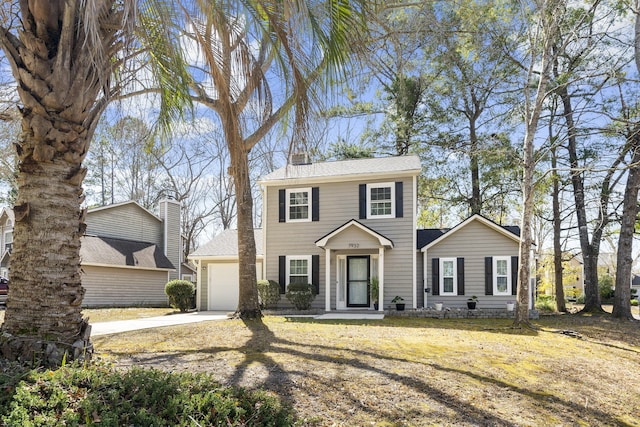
[104, 328]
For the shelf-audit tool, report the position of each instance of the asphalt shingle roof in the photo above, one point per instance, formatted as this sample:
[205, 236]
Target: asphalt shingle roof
[379, 165]
[226, 244]
[121, 252]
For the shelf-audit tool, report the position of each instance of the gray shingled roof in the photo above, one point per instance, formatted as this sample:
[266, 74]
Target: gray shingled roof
[121, 252]
[226, 244]
[380, 165]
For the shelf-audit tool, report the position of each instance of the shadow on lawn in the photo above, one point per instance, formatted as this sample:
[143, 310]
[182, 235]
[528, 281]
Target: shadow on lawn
[293, 382]
[500, 326]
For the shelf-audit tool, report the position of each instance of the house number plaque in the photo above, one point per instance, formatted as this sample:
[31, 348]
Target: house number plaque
[354, 245]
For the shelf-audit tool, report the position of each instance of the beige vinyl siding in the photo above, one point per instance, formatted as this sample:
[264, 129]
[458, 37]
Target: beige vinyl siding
[127, 221]
[108, 286]
[339, 203]
[473, 242]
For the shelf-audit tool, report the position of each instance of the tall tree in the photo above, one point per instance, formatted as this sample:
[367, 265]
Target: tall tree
[621, 305]
[248, 51]
[543, 31]
[63, 56]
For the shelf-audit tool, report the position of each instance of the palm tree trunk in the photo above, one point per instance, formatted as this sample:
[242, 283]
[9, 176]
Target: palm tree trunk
[43, 321]
[248, 305]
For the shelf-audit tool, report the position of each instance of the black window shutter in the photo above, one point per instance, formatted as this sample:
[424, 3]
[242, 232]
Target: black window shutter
[399, 207]
[282, 205]
[315, 204]
[435, 276]
[363, 201]
[282, 273]
[315, 273]
[460, 262]
[514, 275]
[488, 275]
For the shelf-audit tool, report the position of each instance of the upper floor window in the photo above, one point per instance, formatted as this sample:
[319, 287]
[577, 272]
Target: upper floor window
[502, 275]
[448, 277]
[381, 200]
[298, 204]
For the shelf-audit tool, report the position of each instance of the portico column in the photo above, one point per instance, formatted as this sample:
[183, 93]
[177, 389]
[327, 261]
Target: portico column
[381, 278]
[327, 279]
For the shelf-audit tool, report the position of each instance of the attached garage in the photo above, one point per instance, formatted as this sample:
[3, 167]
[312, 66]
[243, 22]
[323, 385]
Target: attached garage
[218, 271]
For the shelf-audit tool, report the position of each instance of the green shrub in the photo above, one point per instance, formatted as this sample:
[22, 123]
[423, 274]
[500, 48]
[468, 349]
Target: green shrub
[546, 303]
[105, 396]
[605, 284]
[300, 295]
[180, 293]
[580, 299]
[269, 293]
[634, 302]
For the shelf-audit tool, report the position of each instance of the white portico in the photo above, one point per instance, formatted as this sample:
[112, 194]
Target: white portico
[358, 255]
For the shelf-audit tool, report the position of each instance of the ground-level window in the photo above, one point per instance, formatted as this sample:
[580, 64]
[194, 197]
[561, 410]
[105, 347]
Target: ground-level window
[502, 275]
[299, 269]
[448, 276]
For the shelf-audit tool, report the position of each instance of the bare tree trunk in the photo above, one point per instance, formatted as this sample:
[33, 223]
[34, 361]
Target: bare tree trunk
[622, 297]
[557, 223]
[591, 250]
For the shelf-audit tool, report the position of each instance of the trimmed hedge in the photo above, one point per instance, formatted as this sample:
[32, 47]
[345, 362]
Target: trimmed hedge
[180, 293]
[300, 295]
[269, 293]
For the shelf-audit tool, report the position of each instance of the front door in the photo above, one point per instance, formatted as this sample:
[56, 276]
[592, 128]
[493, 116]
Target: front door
[358, 281]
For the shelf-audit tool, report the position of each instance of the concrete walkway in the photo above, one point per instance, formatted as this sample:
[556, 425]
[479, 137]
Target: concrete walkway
[117, 326]
[104, 328]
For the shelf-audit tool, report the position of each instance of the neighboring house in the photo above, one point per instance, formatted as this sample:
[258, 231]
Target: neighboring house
[128, 254]
[476, 257]
[217, 271]
[6, 240]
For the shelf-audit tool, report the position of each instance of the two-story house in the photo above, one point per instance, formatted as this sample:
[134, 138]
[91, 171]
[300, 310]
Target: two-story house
[336, 225]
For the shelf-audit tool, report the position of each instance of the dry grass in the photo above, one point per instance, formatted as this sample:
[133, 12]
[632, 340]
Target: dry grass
[401, 371]
[110, 314]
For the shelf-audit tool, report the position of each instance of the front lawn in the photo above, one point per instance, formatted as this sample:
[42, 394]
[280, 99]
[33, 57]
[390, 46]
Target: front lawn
[402, 371]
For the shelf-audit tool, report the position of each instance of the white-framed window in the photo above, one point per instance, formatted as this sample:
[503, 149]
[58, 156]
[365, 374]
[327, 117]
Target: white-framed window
[188, 277]
[298, 204]
[299, 269]
[381, 200]
[501, 275]
[448, 276]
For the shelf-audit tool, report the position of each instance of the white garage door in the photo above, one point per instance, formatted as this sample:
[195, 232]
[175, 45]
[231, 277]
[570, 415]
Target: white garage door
[223, 285]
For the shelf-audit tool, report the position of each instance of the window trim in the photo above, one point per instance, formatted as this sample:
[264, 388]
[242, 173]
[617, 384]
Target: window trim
[309, 204]
[290, 258]
[506, 259]
[454, 263]
[392, 189]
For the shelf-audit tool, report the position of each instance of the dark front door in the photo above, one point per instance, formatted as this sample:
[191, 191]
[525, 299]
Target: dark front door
[358, 281]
